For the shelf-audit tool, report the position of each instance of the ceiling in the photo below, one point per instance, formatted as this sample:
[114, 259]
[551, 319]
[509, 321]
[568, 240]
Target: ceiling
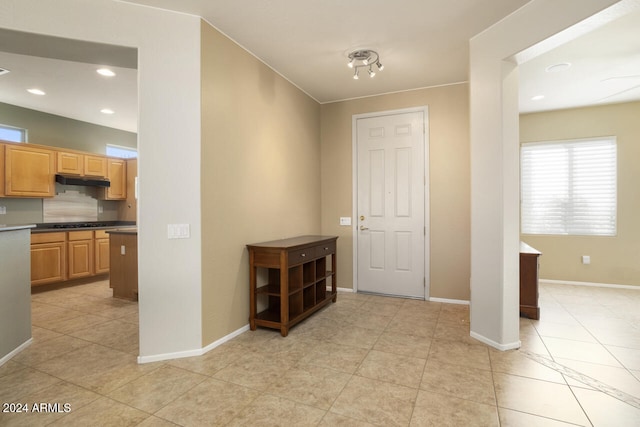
[422, 43]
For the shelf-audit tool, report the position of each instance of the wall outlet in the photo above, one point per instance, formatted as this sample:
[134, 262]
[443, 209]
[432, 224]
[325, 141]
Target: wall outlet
[3, 210]
[345, 220]
[586, 259]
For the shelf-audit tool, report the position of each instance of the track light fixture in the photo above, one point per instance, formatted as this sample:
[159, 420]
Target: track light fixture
[364, 58]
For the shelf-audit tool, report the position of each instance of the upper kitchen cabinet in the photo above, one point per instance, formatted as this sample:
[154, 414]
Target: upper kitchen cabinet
[28, 171]
[96, 166]
[117, 174]
[70, 163]
[74, 163]
[1, 170]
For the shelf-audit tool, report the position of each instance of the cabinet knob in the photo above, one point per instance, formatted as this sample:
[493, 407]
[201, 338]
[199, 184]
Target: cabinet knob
[326, 249]
[303, 255]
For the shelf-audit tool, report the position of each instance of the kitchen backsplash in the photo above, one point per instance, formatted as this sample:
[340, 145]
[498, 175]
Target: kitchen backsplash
[31, 211]
[70, 206]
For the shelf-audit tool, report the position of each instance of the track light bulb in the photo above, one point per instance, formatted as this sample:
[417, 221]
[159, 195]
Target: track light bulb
[355, 75]
[371, 72]
[380, 66]
[350, 64]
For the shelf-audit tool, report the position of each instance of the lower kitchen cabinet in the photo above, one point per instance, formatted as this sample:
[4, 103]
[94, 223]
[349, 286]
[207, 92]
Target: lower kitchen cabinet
[80, 248]
[66, 255]
[48, 258]
[101, 250]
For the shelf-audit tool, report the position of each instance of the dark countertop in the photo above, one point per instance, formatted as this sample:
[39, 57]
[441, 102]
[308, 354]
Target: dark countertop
[128, 230]
[104, 225]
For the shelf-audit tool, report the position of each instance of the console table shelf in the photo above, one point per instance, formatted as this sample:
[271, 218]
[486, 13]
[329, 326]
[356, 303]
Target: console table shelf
[297, 274]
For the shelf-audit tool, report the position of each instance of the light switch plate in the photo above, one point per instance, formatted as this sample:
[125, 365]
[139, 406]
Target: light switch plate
[3, 210]
[345, 220]
[178, 231]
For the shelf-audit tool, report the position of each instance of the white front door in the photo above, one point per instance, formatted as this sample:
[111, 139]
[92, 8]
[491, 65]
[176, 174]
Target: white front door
[391, 187]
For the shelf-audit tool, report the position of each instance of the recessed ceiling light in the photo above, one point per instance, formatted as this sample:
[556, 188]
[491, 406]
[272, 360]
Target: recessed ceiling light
[36, 91]
[555, 68]
[107, 111]
[105, 72]
[537, 98]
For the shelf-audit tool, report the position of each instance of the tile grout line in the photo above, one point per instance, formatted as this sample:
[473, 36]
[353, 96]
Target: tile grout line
[585, 379]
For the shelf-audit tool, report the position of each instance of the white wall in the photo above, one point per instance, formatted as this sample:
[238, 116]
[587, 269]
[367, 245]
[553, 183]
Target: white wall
[169, 146]
[494, 157]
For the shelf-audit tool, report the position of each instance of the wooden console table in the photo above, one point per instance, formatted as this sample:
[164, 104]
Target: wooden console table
[298, 272]
[529, 264]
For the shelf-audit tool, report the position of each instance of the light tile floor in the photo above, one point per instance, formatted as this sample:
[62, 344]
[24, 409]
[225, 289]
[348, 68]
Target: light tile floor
[366, 360]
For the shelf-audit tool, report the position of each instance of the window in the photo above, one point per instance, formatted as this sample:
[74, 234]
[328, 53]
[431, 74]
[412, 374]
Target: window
[13, 134]
[122, 152]
[569, 187]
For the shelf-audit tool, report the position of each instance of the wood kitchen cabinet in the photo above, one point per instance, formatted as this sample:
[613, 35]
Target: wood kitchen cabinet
[298, 272]
[28, 171]
[101, 251]
[48, 258]
[69, 163]
[1, 170]
[83, 164]
[61, 255]
[95, 166]
[117, 174]
[80, 252]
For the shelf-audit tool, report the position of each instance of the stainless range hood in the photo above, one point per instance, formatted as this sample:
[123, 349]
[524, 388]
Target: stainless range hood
[82, 180]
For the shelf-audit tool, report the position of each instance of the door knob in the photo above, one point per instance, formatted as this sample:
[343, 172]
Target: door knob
[361, 217]
[362, 227]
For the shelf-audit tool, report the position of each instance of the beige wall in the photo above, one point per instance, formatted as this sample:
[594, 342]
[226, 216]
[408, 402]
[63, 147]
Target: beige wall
[260, 173]
[614, 260]
[448, 181]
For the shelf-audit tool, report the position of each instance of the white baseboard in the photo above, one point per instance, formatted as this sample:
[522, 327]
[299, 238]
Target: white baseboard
[15, 351]
[194, 352]
[449, 301]
[502, 347]
[350, 290]
[598, 285]
[224, 339]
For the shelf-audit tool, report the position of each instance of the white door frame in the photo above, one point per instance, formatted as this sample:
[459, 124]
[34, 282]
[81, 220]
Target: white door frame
[354, 185]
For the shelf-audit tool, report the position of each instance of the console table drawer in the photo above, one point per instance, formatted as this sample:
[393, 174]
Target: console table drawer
[325, 249]
[301, 256]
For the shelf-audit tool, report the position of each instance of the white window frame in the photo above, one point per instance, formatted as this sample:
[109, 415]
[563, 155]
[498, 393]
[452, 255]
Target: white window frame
[572, 191]
[129, 153]
[22, 131]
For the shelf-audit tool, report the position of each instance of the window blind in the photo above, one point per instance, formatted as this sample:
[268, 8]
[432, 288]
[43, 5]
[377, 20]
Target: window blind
[569, 187]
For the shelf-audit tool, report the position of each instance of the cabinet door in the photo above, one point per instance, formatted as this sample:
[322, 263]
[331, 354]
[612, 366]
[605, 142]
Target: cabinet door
[117, 174]
[70, 163]
[80, 259]
[48, 263]
[1, 170]
[29, 172]
[102, 256]
[95, 166]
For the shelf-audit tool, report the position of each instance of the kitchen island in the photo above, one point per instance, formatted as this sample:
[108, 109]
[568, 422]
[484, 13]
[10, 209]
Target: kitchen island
[15, 290]
[123, 256]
